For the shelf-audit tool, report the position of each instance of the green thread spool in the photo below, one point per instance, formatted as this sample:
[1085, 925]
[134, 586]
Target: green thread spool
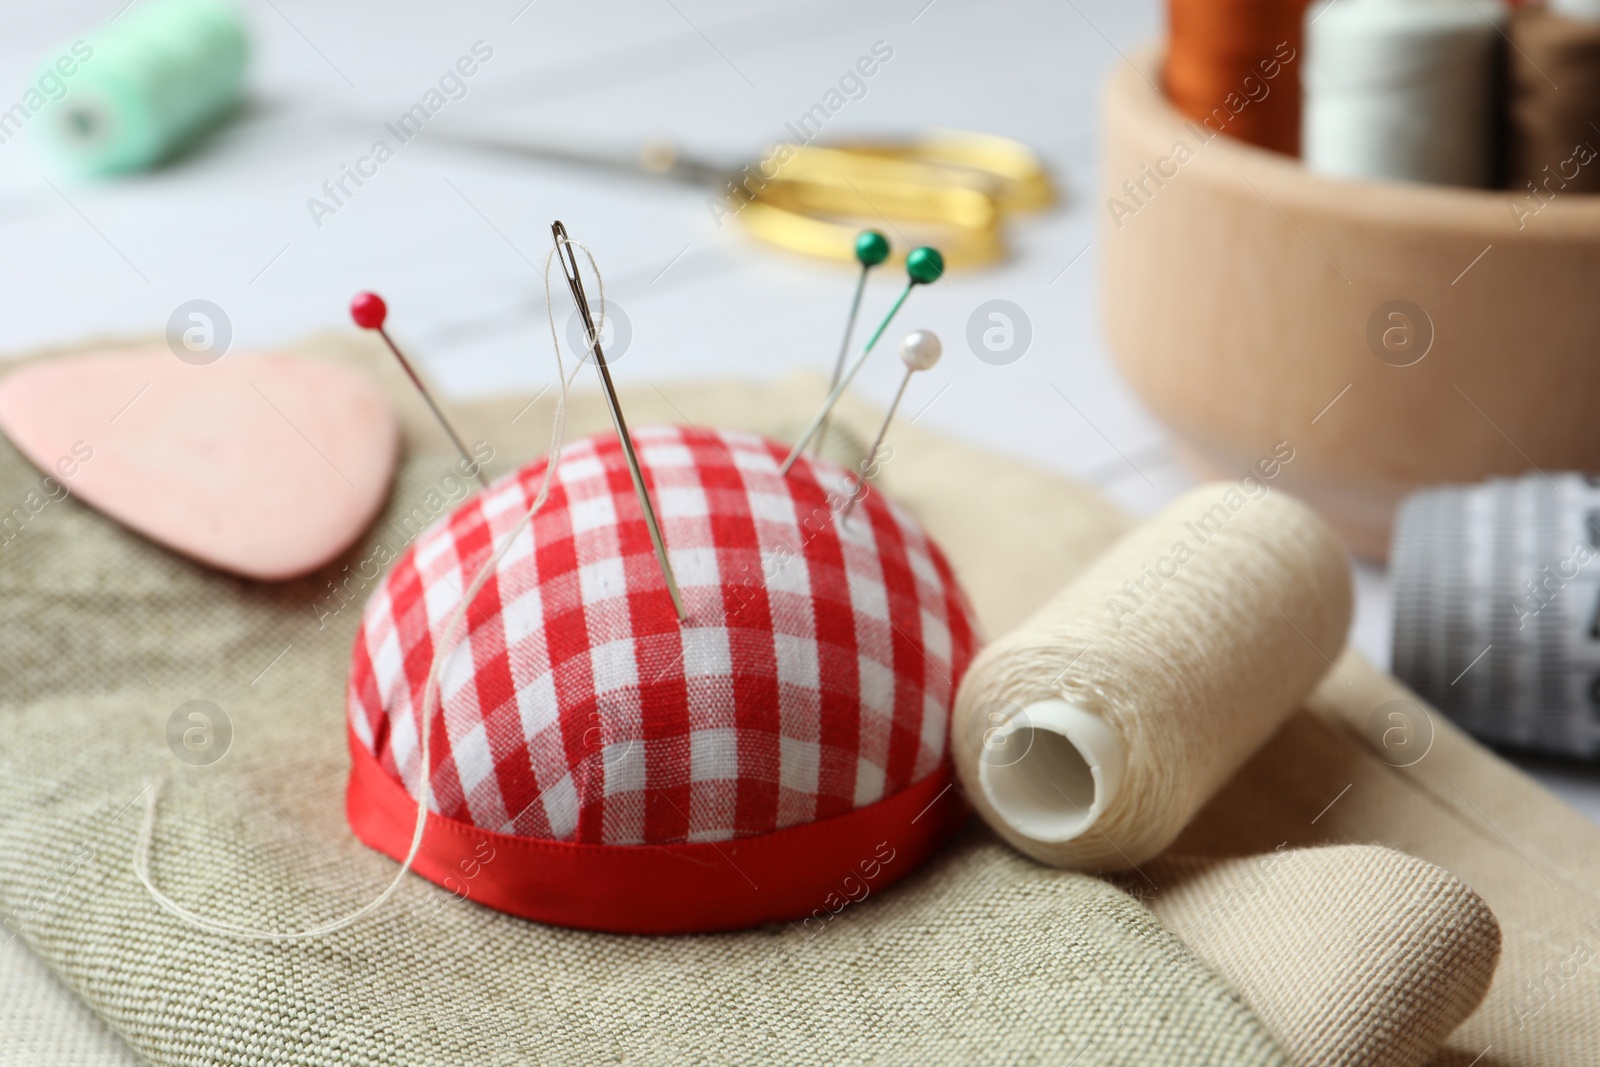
[155, 79]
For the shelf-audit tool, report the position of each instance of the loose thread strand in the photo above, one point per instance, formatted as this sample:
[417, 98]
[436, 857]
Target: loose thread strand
[430, 698]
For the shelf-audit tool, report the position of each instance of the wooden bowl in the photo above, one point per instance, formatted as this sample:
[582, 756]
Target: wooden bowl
[1394, 335]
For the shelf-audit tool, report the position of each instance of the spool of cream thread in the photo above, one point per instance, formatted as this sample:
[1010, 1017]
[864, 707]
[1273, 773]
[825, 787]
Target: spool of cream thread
[1402, 90]
[1092, 734]
[155, 79]
[1553, 103]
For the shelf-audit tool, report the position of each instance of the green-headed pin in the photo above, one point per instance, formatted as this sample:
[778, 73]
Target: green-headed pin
[872, 248]
[924, 266]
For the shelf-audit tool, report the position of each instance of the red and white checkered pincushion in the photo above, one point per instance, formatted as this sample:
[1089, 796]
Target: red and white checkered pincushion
[808, 692]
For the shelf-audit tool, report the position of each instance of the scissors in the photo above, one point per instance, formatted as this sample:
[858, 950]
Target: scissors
[947, 188]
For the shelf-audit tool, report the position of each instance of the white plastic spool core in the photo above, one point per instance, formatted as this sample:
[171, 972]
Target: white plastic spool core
[1067, 776]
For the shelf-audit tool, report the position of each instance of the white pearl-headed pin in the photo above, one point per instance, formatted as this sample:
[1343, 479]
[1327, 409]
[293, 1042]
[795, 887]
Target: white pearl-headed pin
[919, 351]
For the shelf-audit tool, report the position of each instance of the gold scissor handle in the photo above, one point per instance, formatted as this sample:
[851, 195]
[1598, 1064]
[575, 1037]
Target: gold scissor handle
[1018, 178]
[949, 190]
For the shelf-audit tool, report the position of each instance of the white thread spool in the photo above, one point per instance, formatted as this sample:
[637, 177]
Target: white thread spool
[1402, 90]
[1091, 735]
[1582, 10]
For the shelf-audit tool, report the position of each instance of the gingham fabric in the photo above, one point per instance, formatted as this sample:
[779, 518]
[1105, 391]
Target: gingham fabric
[814, 676]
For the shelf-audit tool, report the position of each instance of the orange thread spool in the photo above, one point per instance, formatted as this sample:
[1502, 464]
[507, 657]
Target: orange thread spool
[1234, 67]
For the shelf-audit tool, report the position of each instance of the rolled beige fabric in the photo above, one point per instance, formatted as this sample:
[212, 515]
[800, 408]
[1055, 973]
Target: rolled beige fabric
[1350, 954]
[1091, 734]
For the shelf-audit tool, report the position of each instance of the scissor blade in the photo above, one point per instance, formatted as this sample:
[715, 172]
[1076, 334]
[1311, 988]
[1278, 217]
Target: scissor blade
[654, 158]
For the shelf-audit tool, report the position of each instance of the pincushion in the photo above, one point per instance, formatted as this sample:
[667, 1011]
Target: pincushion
[597, 763]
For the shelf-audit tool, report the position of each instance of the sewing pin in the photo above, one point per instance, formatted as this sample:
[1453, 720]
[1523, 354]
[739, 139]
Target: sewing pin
[369, 312]
[872, 248]
[923, 267]
[919, 351]
[569, 267]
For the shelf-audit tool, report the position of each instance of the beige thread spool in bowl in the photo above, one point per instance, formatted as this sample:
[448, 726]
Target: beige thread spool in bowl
[1240, 290]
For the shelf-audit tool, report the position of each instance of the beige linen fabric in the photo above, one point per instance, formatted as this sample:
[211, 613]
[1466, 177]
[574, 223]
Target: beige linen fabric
[1351, 954]
[1015, 534]
[982, 957]
[43, 1023]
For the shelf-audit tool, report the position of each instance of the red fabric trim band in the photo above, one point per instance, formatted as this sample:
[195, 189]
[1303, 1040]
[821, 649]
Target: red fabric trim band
[803, 873]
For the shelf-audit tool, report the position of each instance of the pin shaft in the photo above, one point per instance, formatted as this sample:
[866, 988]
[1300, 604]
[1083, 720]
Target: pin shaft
[844, 349]
[872, 453]
[843, 384]
[455, 438]
[569, 267]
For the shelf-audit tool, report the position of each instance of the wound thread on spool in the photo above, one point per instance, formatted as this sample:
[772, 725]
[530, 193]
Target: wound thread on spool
[1092, 734]
[150, 83]
[1403, 90]
[1497, 608]
[1233, 65]
[1553, 102]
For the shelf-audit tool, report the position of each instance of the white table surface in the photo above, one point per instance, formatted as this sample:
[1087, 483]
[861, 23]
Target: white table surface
[455, 240]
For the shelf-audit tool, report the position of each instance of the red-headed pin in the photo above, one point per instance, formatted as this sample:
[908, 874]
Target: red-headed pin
[369, 312]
